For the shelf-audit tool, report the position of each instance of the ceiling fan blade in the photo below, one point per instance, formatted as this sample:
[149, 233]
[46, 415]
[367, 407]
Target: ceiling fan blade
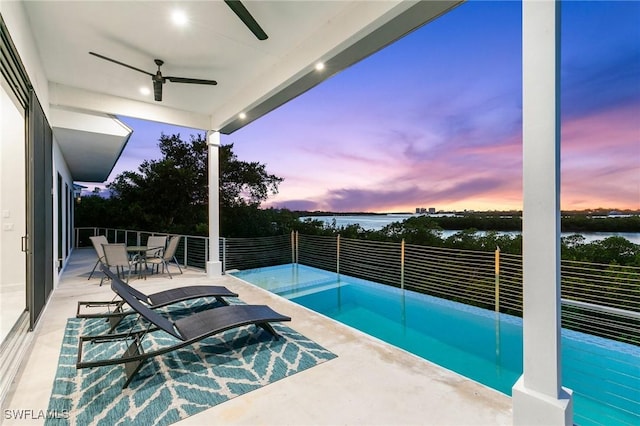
[120, 63]
[244, 15]
[190, 80]
[157, 90]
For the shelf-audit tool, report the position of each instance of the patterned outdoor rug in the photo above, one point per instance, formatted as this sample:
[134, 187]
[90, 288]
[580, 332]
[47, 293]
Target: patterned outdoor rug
[175, 385]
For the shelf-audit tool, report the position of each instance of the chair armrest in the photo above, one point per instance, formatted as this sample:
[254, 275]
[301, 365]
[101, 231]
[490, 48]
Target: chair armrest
[154, 252]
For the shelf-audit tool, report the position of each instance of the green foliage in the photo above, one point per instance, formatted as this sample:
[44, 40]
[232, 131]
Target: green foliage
[167, 195]
[611, 250]
[94, 210]
[479, 222]
[242, 183]
[415, 230]
[171, 194]
[584, 223]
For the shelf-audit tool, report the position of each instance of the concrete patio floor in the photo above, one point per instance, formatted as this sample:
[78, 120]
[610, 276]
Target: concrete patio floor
[369, 383]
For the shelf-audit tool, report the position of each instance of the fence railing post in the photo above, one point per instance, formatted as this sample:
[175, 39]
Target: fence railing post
[224, 255]
[338, 254]
[206, 250]
[402, 264]
[293, 246]
[296, 244]
[497, 279]
[186, 251]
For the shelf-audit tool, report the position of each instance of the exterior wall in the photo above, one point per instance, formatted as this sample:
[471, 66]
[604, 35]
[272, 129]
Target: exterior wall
[60, 167]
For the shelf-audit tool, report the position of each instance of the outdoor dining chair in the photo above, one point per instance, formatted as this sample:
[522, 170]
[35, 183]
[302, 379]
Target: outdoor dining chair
[168, 256]
[116, 255]
[97, 242]
[155, 246]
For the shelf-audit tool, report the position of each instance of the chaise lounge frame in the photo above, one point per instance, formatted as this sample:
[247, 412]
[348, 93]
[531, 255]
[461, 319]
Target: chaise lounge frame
[153, 301]
[188, 330]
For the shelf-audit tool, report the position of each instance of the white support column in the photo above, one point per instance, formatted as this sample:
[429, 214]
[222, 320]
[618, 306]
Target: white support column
[538, 396]
[214, 266]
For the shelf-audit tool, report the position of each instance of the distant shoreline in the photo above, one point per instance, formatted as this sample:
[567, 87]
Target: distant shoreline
[620, 223]
[591, 229]
[594, 213]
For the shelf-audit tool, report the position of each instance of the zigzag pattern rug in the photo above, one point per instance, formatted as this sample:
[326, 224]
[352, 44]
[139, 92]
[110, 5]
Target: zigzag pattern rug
[177, 384]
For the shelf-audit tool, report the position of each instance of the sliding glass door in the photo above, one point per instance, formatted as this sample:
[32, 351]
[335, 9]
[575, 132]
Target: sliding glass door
[13, 216]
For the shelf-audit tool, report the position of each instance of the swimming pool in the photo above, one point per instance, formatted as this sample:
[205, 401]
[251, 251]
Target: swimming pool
[474, 342]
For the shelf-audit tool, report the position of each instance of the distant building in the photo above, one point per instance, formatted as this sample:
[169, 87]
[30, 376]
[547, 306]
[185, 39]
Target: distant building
[432, 210]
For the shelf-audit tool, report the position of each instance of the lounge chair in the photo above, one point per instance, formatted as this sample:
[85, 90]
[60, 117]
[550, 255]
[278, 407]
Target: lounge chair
[116, 311]
[187, 330]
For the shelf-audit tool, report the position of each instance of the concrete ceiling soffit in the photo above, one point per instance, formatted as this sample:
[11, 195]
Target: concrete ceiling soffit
[67, 97]
[90, 143]
[338, 46]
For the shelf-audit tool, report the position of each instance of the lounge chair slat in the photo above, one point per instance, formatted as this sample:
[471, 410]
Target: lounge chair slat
[225, 318]
[150, 315]
[156, 300]
[180, 294]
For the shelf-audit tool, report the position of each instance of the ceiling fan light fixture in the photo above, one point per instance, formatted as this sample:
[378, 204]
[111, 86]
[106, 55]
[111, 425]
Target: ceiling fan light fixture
[157, 90]
[145, 91]
[179, 18]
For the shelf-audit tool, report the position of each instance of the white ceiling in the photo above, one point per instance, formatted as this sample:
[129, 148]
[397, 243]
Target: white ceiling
[254, 76]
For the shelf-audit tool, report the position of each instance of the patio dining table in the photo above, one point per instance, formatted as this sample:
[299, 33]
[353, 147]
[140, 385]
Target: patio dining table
[137, 249]
[140, 252]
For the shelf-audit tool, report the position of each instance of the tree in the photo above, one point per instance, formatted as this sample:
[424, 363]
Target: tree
[169, 194]
[243, 187]
[242, 183]
[172, 195]
[95, 211]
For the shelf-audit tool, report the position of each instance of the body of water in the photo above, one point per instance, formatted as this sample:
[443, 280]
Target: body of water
[377, 222]
[477, 343]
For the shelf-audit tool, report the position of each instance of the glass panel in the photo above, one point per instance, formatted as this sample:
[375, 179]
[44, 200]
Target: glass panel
[12, 212]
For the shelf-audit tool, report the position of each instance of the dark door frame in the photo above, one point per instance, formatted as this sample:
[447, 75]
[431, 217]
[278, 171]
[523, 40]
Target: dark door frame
[38, 241]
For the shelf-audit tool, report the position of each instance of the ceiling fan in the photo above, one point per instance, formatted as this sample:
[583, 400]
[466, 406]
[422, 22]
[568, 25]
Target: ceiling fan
[157, 78]
[244, 15]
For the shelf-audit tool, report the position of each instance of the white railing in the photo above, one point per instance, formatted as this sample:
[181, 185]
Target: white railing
[598, 299]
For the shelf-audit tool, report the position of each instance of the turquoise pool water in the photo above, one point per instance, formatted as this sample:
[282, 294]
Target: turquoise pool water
[477, 343]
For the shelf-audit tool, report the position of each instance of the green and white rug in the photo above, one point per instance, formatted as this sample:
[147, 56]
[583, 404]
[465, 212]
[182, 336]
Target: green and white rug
[175, 385]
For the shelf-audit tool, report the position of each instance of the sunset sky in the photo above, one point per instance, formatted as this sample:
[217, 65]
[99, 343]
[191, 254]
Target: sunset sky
[435, 120]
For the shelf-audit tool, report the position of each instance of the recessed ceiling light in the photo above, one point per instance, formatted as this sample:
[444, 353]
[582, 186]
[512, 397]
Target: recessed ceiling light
[319, 66]
[242, 116]
[179, 17]
[145, 91]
